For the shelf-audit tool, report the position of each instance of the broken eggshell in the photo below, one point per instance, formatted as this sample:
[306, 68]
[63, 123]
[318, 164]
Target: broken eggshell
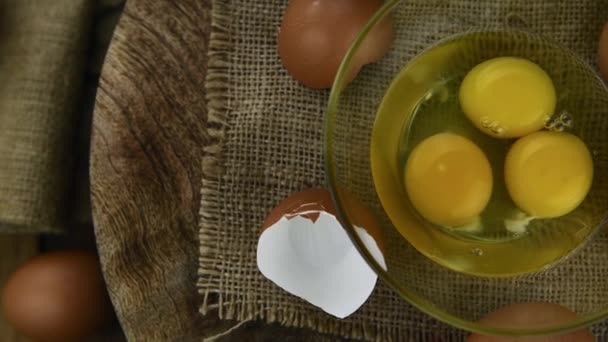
[304, 250]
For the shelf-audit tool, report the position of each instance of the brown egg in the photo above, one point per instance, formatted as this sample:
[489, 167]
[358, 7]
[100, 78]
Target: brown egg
[602, 55]
[57, 296]
[306, 203]
[531, 315]
[315, 35]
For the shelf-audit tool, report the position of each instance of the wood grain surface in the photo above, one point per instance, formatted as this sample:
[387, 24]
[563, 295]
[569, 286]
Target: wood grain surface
[149, 127]
[14, 250]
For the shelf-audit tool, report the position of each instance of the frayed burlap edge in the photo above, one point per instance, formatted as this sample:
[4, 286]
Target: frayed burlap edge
[216, 89]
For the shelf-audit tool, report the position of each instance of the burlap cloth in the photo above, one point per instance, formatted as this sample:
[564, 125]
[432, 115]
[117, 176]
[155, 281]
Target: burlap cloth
[42, 53]
[267, 144]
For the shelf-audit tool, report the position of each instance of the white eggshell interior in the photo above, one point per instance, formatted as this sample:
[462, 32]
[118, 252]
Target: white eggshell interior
[318, 262]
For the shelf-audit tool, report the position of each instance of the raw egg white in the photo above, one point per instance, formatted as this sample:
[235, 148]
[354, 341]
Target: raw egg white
[507, 97]
[448, 179]
[315, 35]
[548, 174]
[531, 315]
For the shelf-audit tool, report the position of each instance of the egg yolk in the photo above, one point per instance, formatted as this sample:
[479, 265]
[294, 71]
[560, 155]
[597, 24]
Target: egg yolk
[448, 179]
[548, 174]
[507, 97]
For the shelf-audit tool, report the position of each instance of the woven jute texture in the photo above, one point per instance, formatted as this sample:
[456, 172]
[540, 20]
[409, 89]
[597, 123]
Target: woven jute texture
[267, 132]
[42, 50]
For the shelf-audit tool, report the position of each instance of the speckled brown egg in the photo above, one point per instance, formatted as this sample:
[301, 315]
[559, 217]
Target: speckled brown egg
[58, 296]
[315, 35]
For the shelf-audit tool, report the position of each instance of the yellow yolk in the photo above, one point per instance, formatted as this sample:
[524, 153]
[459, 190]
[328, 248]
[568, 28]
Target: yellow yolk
[448, 179]
[548, 174]
[507, 97]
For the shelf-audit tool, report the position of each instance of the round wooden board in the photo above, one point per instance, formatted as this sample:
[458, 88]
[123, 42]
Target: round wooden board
[148, 133]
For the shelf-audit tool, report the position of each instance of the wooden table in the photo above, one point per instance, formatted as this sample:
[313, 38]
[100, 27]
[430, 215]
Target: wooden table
[148, 132]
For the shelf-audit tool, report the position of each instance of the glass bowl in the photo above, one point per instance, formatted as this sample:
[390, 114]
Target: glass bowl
[430, 267]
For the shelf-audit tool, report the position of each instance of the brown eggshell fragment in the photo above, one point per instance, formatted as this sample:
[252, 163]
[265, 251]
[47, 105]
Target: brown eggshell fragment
[602, 55]
[57, 296]
[531, 315]
[316, 34]
[303, 201]
[304, 248]
[311, 200]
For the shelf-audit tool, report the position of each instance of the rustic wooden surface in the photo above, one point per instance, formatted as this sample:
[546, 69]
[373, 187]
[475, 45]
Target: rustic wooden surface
[14, 249]
[148, 130]
[148, 126]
